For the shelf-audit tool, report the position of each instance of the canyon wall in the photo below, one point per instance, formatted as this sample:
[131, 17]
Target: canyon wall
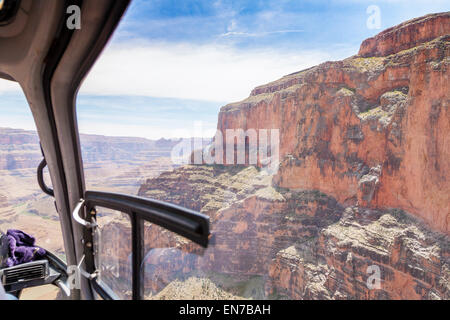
[280, 243]
[361, 186]
[20, 149]
[373, 129]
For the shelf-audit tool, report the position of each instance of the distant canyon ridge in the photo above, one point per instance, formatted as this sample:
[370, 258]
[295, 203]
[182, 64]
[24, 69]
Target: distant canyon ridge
[115, 164]
[20, 149]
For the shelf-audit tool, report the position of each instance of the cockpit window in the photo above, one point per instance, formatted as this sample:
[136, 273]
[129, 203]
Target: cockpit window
[23, 206]
[240, 110]
[112, 247]
[159, 131]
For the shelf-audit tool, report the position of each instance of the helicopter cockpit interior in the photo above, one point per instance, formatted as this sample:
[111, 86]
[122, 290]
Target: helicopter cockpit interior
[49, 59]
[226, 150]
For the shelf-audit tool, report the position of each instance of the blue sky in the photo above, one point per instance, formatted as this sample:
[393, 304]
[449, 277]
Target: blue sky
[173, 63]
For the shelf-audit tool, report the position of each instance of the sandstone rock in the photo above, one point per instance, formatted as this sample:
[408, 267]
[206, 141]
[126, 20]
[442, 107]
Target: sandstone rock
[368, 184]
[389, 105]
[406, 35]
[303, 243]
[359, 137]
[193, 289]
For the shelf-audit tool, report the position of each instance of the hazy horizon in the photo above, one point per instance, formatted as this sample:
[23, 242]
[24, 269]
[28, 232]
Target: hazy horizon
[106, 136]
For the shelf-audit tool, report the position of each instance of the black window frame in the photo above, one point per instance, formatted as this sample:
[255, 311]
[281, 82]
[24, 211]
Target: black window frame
[182, 221]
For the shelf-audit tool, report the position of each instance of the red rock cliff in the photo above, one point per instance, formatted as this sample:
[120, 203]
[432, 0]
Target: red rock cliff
[373, 129]
[363, 145]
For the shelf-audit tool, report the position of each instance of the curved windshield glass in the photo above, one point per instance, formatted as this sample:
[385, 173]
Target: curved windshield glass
[23, 205]
[263, 116]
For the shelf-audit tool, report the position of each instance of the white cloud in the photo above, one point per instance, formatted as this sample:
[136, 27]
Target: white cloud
[170, 129]
[7, 86]
[259, 34]
[208, 72]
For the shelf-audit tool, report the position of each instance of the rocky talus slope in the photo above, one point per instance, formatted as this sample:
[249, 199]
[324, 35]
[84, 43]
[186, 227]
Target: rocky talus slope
[301, 244]
[362, 184]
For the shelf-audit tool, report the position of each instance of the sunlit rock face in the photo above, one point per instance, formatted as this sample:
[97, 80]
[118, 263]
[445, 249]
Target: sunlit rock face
[362, 184]
[19, 149]
[407, 35]
[372, 129]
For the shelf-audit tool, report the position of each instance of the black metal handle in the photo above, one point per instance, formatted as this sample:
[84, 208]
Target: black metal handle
[185, 222]
[40, 178]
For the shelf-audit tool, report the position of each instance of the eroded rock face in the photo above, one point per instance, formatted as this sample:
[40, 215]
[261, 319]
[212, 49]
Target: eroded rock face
[406, 35]
[387, 107]
[301, 244]
[361, 187]
[412, 261]
[19, 149]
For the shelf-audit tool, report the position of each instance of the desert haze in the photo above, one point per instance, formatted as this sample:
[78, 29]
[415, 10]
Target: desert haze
[116, 164]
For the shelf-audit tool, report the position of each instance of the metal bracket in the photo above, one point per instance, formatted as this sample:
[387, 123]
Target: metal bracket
[86, 274]
[64, 288]
[76, 216]
[90, 225]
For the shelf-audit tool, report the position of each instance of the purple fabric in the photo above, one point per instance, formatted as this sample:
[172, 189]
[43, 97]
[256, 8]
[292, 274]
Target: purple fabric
[22, 248]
